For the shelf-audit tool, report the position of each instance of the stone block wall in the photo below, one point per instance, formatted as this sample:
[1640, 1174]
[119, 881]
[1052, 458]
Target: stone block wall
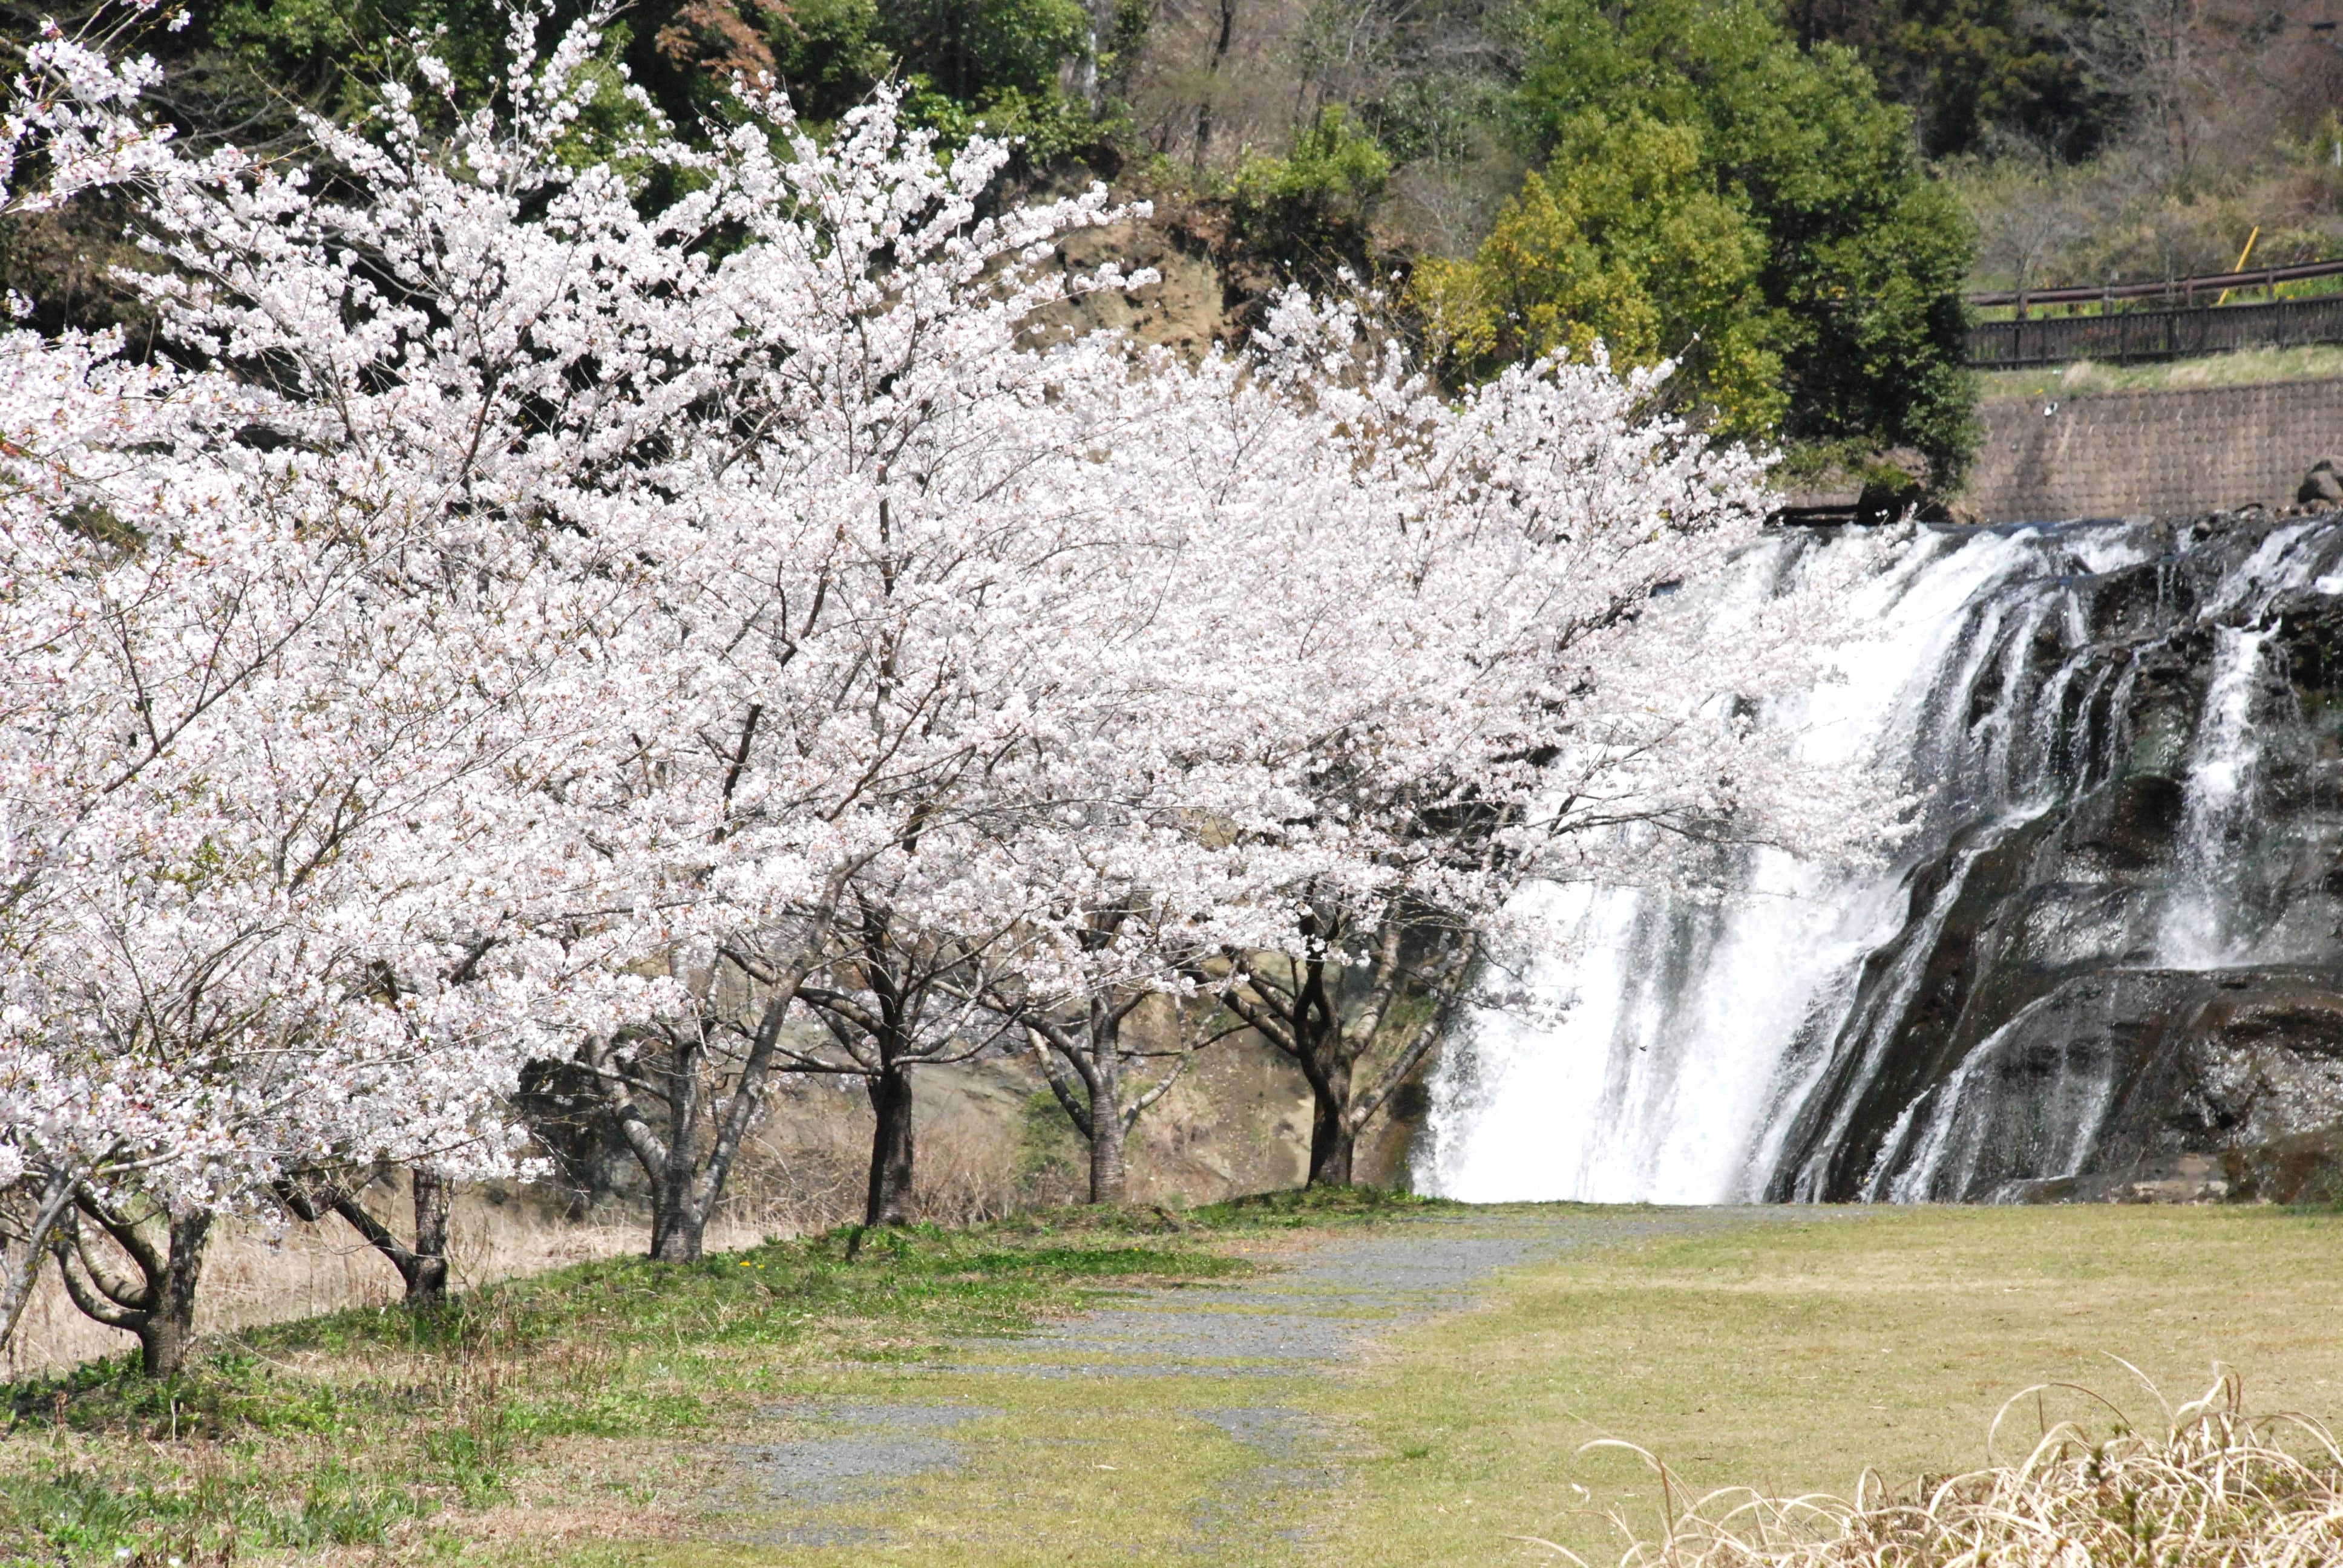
[2119, 454]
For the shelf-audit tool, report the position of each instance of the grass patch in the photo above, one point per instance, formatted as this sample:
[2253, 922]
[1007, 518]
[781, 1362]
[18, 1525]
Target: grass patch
[1793, 1354]
[351, 1430]
[1312, 1206]
[2245, 368]
[381, 1427]
[612, 1415]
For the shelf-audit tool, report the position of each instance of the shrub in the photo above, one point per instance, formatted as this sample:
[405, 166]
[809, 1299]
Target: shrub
[2214, 1487]
[1310, 207]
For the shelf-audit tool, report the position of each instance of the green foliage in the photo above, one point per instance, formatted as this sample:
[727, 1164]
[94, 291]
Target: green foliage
[1974, 71]
[994, 65]
[1045, 126]
[1628, 242]
[1863, 257]
[1301, 1207]
[1312, 205]
[331, 56]
[1124, 45]
[63, 1508]
[971, 64]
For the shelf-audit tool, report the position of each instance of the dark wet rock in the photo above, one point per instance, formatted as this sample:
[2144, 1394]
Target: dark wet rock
[2148, 1085]
[2120, 976]
[2323, 485]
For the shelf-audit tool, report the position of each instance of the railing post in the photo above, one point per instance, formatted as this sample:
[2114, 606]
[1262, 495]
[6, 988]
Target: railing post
[2198, 330]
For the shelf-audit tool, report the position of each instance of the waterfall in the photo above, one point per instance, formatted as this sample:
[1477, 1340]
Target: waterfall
[2089, 709]
[2199, 920]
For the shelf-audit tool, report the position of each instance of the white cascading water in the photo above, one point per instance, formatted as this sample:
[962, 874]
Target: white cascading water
[1651, 1073]
[1674, 1041]
[2202, 926]
[2197, 929]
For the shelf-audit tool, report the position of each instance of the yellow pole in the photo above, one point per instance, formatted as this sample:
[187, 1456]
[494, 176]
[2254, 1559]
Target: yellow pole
[2241, 260]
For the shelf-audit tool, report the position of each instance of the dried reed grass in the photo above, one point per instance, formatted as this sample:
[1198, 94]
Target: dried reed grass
[804, 1173]
[256, 1273]
[966, 1174]
[798, 1177]
[2215, 1489]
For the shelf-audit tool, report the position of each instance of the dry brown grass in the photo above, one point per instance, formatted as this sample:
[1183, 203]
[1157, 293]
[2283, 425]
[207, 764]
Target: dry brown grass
[796, 1179]
[2208, 1487]
[256, 1273]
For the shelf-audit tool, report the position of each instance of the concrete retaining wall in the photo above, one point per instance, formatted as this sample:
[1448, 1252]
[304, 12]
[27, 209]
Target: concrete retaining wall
[2117, 454]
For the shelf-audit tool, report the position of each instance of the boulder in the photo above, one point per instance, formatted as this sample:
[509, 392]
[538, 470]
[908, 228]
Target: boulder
[2323, 486]
[2146, 1085]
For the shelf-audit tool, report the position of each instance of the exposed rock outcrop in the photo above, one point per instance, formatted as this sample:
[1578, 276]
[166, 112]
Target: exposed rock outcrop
[2121, 971]
[2323, 486]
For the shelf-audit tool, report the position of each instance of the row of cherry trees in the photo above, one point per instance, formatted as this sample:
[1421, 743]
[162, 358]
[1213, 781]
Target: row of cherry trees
[681, 612]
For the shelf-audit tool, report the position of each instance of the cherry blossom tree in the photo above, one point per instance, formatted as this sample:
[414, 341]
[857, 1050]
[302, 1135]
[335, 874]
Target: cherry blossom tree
[680, 630]
[1493, 690]
[883, 614]
[295, 690]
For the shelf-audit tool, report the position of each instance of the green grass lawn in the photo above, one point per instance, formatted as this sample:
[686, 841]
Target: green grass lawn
[600, 1416]
[598, 1402]
[2244, 368]
[1793, 1354]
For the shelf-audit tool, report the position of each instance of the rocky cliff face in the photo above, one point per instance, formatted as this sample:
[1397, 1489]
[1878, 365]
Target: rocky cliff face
[2121, 970]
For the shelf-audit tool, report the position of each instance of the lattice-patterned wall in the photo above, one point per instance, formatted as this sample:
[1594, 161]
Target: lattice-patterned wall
[2119, 454]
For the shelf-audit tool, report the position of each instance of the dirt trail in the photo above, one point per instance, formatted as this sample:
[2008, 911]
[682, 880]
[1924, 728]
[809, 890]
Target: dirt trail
[1242, 1358]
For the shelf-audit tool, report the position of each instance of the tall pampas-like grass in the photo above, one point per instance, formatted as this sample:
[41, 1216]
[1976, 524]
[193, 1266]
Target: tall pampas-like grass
[2214, 1487]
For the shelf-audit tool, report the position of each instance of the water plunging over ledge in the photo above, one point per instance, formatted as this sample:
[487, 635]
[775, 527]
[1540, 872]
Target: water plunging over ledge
[2111, 956]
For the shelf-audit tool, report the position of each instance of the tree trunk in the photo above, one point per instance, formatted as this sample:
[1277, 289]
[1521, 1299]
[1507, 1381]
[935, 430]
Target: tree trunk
[1331, 1142]
[167, 1326]
[1102, 20]
[1328, 1069]
[890, 1148]
[427, 1285]
[676, 1232]
[1109, 1130]
[22, 1266]
[1108, 1167]
[1212, 84]
[1326, 1055]
[678, 1222]
[422, 1267]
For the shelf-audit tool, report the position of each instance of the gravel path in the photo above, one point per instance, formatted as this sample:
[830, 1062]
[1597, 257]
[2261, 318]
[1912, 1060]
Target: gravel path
[1252, 1343]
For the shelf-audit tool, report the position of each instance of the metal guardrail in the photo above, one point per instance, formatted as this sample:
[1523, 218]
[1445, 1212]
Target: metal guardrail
[2129, 336]
[2176, 290]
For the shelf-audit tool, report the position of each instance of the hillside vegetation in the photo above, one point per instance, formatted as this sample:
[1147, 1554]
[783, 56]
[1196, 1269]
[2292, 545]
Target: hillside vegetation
[1676, 180]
